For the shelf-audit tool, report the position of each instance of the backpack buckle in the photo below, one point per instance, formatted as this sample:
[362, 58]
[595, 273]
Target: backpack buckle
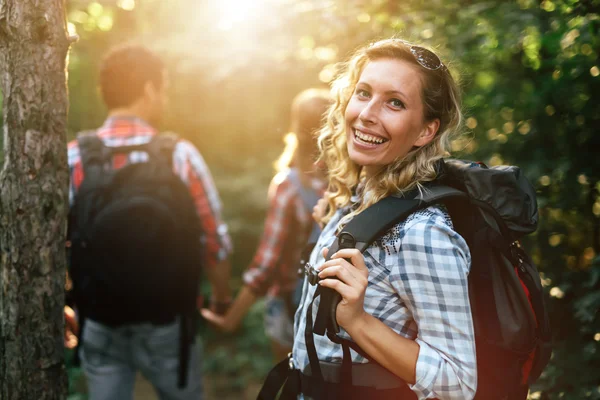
[311, 273]
[515, 250]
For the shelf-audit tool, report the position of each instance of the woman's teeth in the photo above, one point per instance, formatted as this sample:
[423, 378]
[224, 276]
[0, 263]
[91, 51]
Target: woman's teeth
[368, 138]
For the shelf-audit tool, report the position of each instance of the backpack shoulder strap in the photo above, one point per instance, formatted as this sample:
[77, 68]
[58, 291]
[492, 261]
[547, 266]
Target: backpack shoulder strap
[359, 233]
[376, 220]
[92, 150]
[163, 145]
[160, 147]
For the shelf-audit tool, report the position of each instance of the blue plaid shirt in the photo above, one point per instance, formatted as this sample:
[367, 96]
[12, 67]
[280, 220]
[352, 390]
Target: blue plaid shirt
[418, 287]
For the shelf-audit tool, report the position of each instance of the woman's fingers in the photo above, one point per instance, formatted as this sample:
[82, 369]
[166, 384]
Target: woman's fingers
[349, 293]
[344, 272]
[352, 257]
[210, 316]
[215, 319]
[352, 278]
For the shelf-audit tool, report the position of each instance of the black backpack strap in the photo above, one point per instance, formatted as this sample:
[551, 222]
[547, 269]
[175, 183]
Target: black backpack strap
[187, 330]
[79, 346]
[159, 147]
[364, 228]
[92, 151]
[162, 146]
[283, 377]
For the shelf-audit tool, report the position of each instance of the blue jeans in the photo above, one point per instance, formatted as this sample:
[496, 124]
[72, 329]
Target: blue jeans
[111, 356]
[279, 327]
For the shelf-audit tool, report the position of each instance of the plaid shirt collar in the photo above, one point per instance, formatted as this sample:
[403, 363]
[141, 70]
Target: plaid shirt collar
[125, 126]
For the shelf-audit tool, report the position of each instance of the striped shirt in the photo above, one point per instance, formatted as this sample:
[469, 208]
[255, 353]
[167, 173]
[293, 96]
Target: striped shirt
[418, 287]
[287, 227]
[188, 164]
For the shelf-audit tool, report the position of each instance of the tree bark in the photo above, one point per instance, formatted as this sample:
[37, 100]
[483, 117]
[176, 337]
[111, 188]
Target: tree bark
[34, 199]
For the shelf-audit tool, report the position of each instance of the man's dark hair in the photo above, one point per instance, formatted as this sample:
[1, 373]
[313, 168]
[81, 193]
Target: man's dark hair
[124, 72]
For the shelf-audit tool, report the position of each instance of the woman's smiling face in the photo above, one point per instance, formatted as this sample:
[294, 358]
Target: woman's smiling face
[384, 117]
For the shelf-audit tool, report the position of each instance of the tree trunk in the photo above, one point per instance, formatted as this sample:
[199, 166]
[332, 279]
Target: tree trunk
[34, 199]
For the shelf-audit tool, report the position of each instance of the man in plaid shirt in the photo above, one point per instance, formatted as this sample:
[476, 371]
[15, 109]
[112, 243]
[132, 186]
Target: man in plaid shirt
[134, 84]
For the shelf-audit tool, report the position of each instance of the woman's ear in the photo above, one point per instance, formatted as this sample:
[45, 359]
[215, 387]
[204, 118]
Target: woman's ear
[428, 133]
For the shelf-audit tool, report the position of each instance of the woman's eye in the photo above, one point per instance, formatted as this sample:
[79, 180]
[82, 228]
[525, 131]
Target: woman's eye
[362, 93]
[396, 103]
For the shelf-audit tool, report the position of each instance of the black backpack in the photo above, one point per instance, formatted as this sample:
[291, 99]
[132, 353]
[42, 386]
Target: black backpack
[135, 252]
[491, 208]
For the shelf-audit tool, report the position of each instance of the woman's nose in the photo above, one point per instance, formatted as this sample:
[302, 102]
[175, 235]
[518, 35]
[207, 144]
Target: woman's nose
[369, 113]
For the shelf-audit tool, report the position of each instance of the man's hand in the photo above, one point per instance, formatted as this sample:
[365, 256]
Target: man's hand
[220, 307]
[71, 328]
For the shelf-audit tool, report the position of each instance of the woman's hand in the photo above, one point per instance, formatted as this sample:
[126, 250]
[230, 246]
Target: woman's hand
[351, 284]
[221, 322]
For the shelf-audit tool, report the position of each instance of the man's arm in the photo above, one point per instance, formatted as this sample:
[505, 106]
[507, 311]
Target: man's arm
[191, 168]
[218, 276]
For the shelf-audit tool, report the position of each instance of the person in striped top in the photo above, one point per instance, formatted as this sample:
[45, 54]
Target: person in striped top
[293, 192]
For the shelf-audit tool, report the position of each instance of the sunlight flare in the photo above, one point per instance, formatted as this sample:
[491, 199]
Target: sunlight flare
[233, 13]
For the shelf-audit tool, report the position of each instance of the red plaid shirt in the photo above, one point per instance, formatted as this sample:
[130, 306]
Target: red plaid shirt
[287, 227]
[188, 164]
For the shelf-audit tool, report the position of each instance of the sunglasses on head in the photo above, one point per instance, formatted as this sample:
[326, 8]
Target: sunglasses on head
[425, 57]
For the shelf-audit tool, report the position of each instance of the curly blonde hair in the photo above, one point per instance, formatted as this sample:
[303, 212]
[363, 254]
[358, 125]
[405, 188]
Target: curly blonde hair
[441, 100]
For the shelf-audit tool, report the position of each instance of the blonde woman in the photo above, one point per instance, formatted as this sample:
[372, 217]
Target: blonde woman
[293, 192]
[405, 299]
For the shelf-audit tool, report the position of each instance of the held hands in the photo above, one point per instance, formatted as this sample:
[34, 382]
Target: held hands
[351, 284]
[229, 319]
[218, 316]
[221, 322]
